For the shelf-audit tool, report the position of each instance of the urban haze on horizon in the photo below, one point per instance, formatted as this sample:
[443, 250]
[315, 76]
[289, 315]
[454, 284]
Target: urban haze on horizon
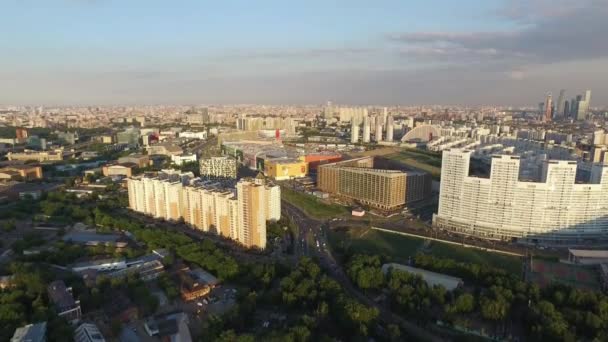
[497, 52]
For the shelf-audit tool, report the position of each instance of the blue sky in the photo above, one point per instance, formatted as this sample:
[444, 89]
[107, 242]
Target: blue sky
[393, 52]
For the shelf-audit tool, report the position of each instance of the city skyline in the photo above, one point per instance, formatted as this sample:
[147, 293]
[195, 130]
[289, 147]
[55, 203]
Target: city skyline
[107, 52]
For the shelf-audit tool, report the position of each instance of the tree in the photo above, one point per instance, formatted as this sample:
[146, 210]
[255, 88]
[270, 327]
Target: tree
[464, 303]
[356, 315]
[8, 225]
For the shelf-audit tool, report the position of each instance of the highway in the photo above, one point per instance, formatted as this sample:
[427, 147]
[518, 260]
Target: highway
[311, 240]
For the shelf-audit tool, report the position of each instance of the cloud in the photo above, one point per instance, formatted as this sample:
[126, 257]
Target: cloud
[299, 53]
[551, 34]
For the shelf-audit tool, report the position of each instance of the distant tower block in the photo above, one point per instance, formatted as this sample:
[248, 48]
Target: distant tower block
[366, 130]
[389, 128]
[354, 132]
[378, 132]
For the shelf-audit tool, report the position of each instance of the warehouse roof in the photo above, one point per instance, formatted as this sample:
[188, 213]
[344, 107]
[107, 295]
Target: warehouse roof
[587, 253]
[431, 278]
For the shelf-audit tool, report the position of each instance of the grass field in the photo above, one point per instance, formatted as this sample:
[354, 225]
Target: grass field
[312, 206]
[422, 160]
[400, 248]
[545, 272]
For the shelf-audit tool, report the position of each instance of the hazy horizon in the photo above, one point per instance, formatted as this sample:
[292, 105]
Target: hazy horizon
[109, 52]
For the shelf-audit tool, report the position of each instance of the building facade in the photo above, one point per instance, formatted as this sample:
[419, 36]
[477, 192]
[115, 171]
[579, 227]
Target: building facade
[357, 179]
[218, 167]
[556, 210]
[285, 168]
[241, 216]
[88, 332]
[63, 301]
[39, 156]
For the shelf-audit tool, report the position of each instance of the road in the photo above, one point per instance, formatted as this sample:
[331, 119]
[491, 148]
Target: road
[312, 240]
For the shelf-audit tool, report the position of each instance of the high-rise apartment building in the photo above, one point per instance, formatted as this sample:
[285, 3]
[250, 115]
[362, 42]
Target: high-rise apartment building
[378, 135]
[350, 114]
[548, 108]
[252, 213]
[390, 126]
[559, 108]
[219, 167]
[354, 132]
[197, 117]
[555, 210]
[256, 123]
[239, 215]
[583, 106]
[366, 130]
[384, 116]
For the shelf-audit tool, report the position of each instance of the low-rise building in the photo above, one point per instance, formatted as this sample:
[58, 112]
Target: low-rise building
[431, 278]
[165, 148]
[169, 327]
[194, 135]
[104, 139]
[285, 168]
[39, 156]
[184, 158]
[88, 332]
[587, 256]
[321, 158]
[21, 172]
[30, 333]
[63, 301]
[196, 283]
[88, 238]
[101, 265]
[141, 160]
[124, 169]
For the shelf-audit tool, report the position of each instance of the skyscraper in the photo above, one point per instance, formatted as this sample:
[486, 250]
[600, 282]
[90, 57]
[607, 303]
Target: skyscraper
[328, 112]
[251, 214]
[389, 128]
[583, 105]
[354, 131]
[559, 107]
[566, 109]
[573, 107]
[384, 116]
[366, 129]
[379, 131]
[548, 108]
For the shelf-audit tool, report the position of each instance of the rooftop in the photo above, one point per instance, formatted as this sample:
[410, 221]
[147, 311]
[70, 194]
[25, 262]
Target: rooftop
[30, 332]
[431, 278]
[587, 253]
[83, 237]
[60, 295]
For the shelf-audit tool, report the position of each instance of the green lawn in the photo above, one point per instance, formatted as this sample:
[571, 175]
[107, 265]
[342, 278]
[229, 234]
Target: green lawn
[509, 263]
[400, 248]
[368, 241]
[422, 160]
[312, 206]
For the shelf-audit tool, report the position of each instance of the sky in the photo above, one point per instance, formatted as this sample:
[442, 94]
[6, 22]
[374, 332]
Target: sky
[386, 52]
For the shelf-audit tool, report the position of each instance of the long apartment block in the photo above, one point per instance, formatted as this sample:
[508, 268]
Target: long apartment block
[240, 213]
